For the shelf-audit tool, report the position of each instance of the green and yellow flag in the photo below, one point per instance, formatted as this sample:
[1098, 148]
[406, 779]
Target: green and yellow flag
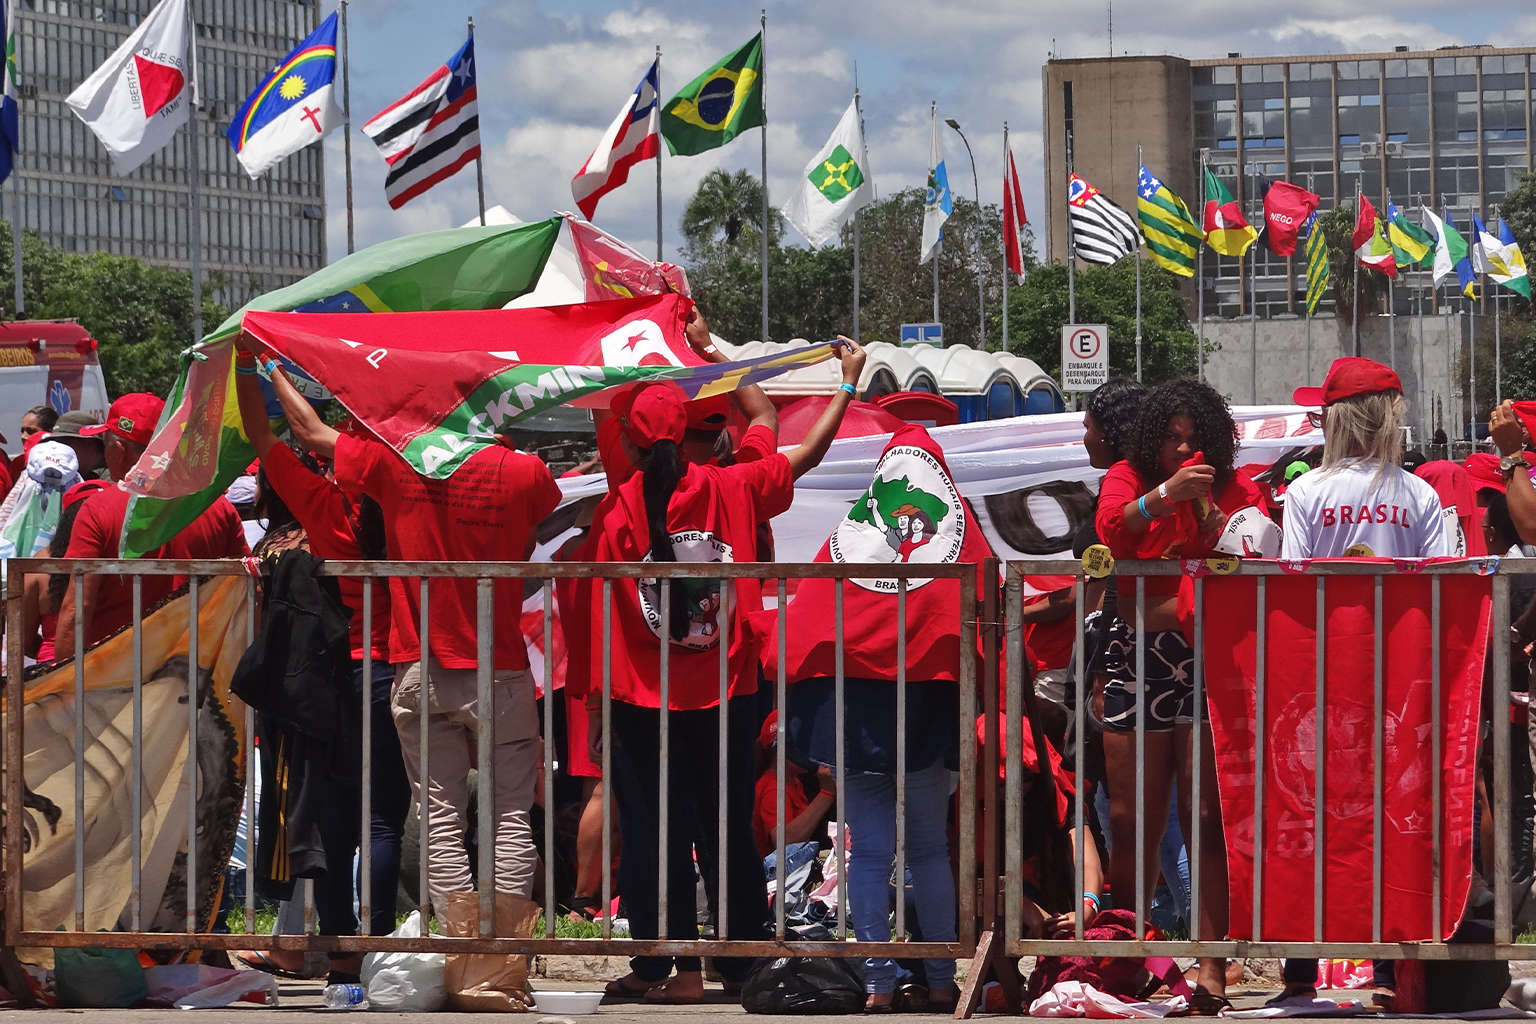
[1168, 230]
[1317, 267]
[717, 106]
[1410, 243]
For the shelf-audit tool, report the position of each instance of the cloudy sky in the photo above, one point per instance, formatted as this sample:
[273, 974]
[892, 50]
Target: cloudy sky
[553, 73]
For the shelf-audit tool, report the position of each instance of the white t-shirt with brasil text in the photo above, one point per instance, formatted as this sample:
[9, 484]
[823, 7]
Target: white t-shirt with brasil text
[1349, 512]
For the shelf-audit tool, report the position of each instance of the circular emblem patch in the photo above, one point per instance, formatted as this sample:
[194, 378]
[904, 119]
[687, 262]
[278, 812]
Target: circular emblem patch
[910, 514]
[703, 594]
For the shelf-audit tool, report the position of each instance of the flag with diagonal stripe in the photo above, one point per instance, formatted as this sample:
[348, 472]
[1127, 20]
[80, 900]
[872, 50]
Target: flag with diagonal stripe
[1168, 229]
[1101, 231]
[431, 133]
[1317, 265]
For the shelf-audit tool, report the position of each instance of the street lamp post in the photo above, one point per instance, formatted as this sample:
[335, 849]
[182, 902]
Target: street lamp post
[981, 279]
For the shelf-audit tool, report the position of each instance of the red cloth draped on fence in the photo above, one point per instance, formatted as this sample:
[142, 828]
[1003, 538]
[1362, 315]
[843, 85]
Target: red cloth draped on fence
[1290, 748]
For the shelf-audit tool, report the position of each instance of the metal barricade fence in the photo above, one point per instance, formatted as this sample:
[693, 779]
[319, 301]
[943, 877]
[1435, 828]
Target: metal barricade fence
[488, 620]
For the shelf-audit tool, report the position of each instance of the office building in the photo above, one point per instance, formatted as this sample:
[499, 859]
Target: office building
[1447, 128]
[257, 235]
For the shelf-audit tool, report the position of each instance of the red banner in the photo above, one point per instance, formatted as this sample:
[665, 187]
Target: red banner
[1289, 728]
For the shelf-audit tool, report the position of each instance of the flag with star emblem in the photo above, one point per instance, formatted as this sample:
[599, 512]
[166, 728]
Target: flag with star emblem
[1101, 231]
[717, 106]
[199, 447]
[1168, 230]
[835, 184]
[633, 136]
[431, 133]
[293, 106]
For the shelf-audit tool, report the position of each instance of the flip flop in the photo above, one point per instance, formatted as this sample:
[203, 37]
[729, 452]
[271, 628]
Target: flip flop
[616, 989]
[658, 996]
[1204, 1004]
[257, 960]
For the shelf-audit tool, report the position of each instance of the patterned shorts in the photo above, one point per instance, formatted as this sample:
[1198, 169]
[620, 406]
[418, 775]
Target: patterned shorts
[1170, 680]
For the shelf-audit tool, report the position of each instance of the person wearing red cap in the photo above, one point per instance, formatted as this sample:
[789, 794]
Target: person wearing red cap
[107, 601]
[487, 511]
[1360, 502]
[674, 510]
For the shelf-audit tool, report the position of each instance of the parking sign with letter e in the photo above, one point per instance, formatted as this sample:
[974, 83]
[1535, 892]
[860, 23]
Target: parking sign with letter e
[1084, 356]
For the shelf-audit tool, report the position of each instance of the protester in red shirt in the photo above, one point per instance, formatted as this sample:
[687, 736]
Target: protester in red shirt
[107, 603]
[810, 797]
[677, 511]
[1170, 498]
[487, 511]
[335, 527]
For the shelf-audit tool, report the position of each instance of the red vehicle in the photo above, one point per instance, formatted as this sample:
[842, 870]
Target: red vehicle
[47, 362]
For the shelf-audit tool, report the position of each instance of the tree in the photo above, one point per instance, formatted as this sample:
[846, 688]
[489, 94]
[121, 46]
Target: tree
[810, 291]
[729, 207]
[1038, 308]
[141, 315]
[1338, 228]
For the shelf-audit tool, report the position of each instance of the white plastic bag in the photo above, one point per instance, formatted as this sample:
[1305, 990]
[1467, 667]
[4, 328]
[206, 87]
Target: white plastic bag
[406, 982]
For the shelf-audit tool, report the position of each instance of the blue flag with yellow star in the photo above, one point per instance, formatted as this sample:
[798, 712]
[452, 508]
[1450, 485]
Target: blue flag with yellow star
[292, 107]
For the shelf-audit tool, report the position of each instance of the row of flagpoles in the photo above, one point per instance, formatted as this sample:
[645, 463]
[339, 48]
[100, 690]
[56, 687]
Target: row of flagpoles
[1102, 232]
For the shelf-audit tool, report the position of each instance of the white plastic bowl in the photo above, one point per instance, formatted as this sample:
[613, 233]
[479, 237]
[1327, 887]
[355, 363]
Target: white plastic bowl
[567, 1002]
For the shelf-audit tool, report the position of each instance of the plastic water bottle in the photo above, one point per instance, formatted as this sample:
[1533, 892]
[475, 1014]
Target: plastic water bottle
[345, 997]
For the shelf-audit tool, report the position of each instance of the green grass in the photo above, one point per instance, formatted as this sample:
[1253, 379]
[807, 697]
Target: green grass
[1527, 936]
[266, 919]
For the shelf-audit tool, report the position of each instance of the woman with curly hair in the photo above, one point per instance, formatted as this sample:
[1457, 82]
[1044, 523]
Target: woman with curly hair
[1169, 498]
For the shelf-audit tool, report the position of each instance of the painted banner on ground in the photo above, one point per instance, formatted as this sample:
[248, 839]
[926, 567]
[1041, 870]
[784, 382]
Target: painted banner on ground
[48, 815]
[199, 447]
[437, 386]
[1290, 749]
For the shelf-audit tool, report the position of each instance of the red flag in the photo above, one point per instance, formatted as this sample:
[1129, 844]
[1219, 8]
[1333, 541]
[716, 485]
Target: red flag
[634, 135]
[1365, 224]
[613, 270]
[911, 513]
[1014, 218]
[1289, 729]
[1286, 209]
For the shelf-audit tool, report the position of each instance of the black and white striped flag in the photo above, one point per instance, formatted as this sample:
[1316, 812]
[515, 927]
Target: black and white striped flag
[432, 133]
[1101, 231]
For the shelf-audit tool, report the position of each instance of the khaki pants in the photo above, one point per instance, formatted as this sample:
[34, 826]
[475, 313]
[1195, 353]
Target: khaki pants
[452, 718]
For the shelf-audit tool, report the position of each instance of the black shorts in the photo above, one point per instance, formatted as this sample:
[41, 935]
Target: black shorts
[1170, 680]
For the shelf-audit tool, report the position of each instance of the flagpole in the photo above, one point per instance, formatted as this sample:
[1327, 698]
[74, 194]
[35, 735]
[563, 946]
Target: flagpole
[1071, 255]
[1138, 281]
[1498, 361]
[762, 86]
[938, 243]
[194, 171]
[1200, 278]
[346, 131]
[1253, 296]
[1355, 304]
[1391, 301]
[16, 211]
[479, 161]
[1007, 273]
[1307, 302]
[858, 113]
[659, 148]
[1471, 367]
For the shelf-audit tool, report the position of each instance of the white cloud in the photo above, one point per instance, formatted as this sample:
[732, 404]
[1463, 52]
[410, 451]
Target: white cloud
[1362, 33]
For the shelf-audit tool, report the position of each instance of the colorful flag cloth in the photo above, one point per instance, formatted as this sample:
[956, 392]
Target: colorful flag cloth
[10, 144]
[1510, 271]
[145, 90]
[1371, 246]
[717, 106]
[293, 106]
[1317, 265]
[911, 513]
[634, 135]
[1290, 735]
[437, 386]
[1171, 235]
[200, 448]
[1411, 244]
[431, 133]
[836, 183]
[938, 202]
[1226, 229]
[1460, 256]
[1286, 208]
[1101, 231]
[613, 270]
[1014, 219]
[1441, 261]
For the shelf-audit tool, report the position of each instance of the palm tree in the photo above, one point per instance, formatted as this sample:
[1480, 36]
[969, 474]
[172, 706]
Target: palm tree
[729, 204]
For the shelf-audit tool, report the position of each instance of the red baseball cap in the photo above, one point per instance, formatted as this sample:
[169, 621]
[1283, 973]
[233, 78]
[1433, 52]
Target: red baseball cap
[82, 490]
[1348, 377]
[1483, 468]
[657, 414]
[132, 417]
[709, 413]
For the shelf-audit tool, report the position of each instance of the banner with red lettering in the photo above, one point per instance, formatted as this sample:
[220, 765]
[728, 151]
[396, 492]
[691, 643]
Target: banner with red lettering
[1291, 736]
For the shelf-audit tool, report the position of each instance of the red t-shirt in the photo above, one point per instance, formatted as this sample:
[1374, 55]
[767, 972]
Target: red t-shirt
[765, 816]
[217, 533]
[485, 512]
[326, 515]
[713, 517]
[1173, 535]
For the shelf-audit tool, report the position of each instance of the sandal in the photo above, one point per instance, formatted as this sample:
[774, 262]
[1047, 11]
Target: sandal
[1204, 1004]
[258, 960]
[1382, 1000]
[588, 907]
[616, 989]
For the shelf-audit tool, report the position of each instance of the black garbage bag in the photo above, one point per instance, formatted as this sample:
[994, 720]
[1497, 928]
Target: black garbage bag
[797, 984]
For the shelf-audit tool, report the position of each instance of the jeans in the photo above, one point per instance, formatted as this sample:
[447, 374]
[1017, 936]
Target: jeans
[693, 821]
[871, 806]
[452, 723]
[389, 801]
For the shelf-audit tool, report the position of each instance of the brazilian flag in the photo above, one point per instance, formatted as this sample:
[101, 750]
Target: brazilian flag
[717, 106]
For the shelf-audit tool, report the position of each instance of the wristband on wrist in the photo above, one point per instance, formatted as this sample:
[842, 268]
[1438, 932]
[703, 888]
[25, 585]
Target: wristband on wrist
[1162, 492]
[1141, 506]
[1089, 897]
[845, 386]
[245, 371]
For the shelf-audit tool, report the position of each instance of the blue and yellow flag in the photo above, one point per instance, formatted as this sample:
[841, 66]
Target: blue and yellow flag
[1169, 232]
[292, 107]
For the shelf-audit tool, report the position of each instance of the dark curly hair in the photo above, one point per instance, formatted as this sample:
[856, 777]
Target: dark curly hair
[1114, 407]
[1215, 431]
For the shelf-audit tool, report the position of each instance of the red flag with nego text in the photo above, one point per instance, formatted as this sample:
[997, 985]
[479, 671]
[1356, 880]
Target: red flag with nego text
[1286, 209]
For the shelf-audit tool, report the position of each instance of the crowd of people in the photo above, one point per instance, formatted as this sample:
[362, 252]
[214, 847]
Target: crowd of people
[680, 489]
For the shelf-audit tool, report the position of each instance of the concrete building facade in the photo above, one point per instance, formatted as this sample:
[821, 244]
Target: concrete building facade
[257, 235]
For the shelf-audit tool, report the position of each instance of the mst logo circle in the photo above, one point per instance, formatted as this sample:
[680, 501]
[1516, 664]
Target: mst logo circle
[910, 513]
[1084, 343]
[703, 595]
